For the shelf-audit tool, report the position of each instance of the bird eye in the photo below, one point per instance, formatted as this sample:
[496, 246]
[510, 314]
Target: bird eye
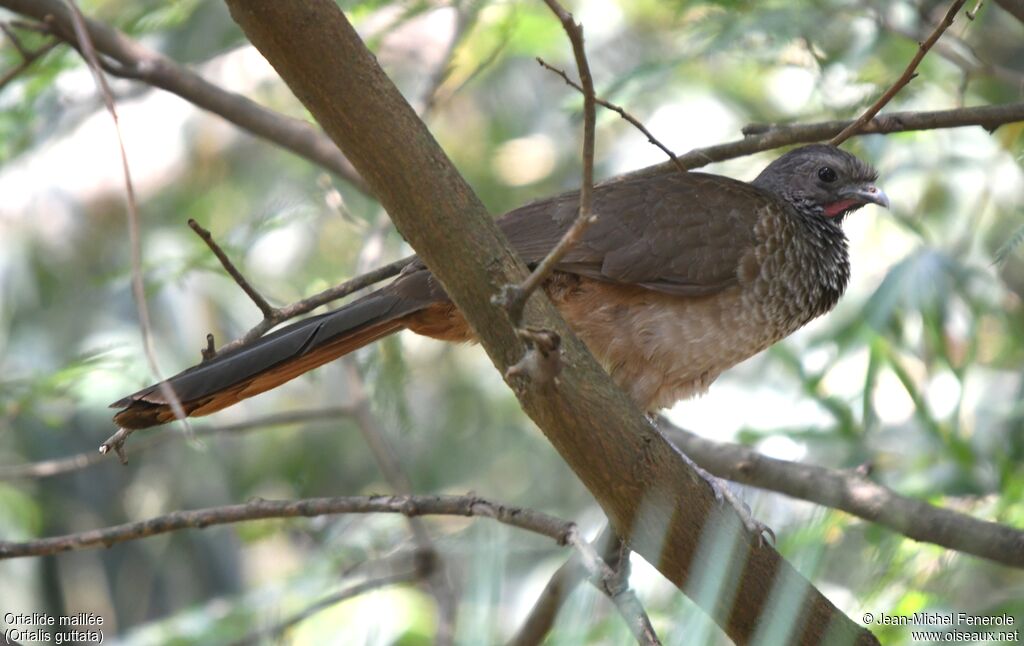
[826, 174]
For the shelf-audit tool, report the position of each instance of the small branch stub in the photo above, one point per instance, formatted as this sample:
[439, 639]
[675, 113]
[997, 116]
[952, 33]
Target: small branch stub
[250, 291]
[115, 443]
[542, 362]
[210, 351]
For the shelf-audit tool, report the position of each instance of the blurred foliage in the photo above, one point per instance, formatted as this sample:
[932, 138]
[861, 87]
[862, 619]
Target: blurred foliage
[919, 370]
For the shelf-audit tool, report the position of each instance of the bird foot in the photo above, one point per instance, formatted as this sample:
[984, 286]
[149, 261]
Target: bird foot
[723, 494]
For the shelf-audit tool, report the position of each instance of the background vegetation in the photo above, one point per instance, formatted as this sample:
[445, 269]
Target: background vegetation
[918, 371]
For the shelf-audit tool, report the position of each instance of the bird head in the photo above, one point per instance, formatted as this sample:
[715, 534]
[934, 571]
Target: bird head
[829, 182]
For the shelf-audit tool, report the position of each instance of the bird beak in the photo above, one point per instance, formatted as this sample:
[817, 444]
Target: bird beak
[867, 194]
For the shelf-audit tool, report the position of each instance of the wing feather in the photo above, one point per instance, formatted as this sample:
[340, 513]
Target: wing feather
[682, 234]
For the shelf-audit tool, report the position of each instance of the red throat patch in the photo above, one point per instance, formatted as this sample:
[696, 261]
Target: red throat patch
[834, 209]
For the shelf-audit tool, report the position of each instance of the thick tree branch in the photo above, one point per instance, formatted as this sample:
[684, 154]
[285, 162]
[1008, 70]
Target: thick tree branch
[135, 61]
[856, 495]
[651, 497]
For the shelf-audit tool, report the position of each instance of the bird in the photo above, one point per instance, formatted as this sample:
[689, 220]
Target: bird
[682, 276]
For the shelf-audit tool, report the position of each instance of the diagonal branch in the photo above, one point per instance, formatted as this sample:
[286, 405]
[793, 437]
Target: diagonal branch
[618, 110]
[857, 495]
[386, 457]
[613, 582]
[134, 61]
[272, 634]
[229, 267]
[544, 611]
[907, 76]
[273, 316]
[652, 498]
[28, 57]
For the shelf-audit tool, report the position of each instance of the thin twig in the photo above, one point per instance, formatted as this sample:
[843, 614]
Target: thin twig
[907, 76]
[515, 297]
[273, 316]
[613, 583]
[272, 634]
[116, 441]
[28, 57]
[229, 267]
[570, 574]
[79, 461]
[11, 36]
[973, 13]
[760, 137]
[961, 54]
[520, 517]
[465, 18]
[309, 304]
[386, 457]
[618, 110]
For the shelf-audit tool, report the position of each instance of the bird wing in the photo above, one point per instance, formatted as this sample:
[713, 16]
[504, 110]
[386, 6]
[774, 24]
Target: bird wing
[678, 233]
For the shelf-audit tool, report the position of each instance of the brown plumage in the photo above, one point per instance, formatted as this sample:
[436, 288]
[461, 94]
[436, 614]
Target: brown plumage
[683, 276]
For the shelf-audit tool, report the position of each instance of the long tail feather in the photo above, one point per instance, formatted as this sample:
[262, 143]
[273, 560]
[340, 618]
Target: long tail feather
[270, 361]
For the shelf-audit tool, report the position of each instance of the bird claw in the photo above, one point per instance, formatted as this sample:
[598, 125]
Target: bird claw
[725, 495]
